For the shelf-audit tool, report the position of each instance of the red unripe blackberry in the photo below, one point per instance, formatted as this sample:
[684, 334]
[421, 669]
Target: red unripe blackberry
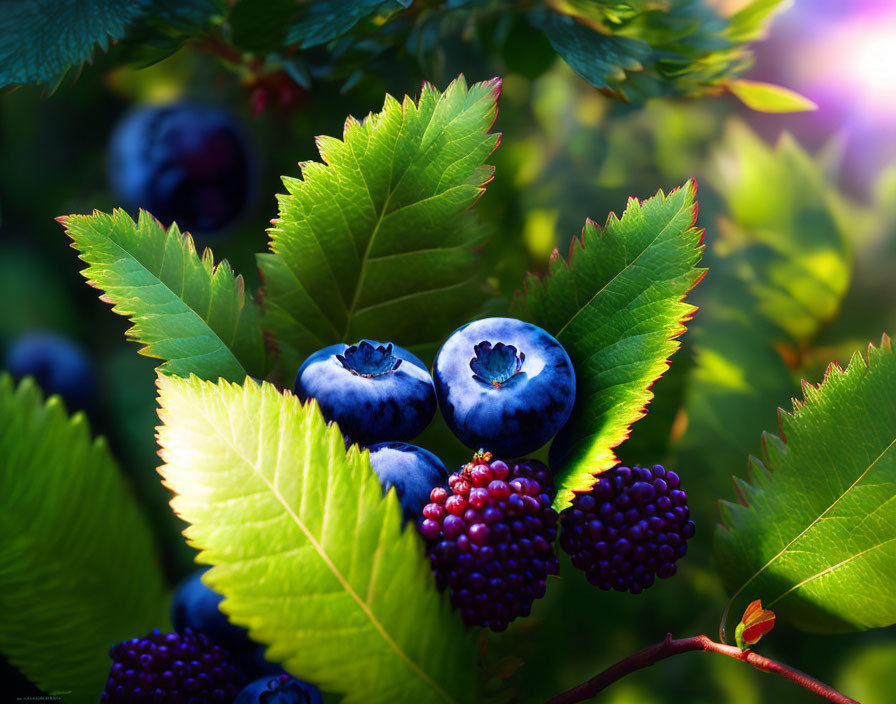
[631, 527]
[171, 668]
[490, 539]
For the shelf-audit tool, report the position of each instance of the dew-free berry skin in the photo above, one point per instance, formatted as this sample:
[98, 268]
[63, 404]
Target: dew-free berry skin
[58, 365]
[504, 385]
[374, 391]
[282, 689]
[412, 471]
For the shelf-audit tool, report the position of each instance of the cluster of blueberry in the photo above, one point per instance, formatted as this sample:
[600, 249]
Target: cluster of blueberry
[503, 385]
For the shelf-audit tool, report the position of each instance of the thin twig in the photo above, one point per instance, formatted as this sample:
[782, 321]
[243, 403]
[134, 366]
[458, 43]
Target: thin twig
[670, 647]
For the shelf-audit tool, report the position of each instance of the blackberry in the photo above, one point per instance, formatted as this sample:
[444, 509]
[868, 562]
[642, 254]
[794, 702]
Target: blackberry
[629, 529]
[170, 668]
[490, 538]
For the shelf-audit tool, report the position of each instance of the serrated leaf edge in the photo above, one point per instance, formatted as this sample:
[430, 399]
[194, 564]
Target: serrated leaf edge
[564, 496]
[757, 471]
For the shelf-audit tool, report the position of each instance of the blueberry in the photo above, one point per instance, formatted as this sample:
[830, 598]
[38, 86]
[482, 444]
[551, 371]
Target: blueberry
[195, 607]
[411, 470]
[374, 391]
[279, 690]
[504, 385]
[58, 365]
[186, 162]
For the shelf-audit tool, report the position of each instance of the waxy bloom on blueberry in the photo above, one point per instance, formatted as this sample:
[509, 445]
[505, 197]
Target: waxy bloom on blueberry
[411, 470]
[376, 392]
[754, 624]
[279, 690]
[504, 385]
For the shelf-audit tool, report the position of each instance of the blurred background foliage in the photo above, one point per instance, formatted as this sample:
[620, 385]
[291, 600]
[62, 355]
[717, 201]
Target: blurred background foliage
[800, 222]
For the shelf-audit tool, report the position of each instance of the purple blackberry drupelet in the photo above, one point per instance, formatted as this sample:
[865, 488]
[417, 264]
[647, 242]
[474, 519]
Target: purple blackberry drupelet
[171, 668]
[630, 528]
[490, 538]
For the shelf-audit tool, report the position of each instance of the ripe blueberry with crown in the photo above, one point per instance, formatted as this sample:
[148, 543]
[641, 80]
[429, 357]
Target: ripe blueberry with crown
[282, 689]
[376, 392]
[504, 385]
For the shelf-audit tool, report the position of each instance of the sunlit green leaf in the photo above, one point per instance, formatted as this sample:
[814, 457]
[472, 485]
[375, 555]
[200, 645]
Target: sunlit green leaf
[767, 97]
[616, 305]
[78, 568]
[812, 534]
[187, 310]
[378, 240]
[307, 553]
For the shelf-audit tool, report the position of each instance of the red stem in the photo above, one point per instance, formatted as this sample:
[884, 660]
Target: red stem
[670, 647]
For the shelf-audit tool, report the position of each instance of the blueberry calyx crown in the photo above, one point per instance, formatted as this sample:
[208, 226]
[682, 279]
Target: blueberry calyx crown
[283, 689]
[496, 365]
[368, 361]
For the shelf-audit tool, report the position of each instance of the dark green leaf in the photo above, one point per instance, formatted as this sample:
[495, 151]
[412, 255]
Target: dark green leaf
[601, 59]
[616, 306]
[41, 39]
[812, 534]
[187, 310]
[378, 241]
[79, 568]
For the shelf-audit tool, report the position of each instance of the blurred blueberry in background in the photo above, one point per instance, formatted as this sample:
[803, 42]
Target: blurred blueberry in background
[188, 163]
[59, 365]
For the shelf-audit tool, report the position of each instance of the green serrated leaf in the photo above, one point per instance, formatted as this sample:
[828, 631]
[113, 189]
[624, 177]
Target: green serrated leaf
[812, 535]
[616, 305]
[187, 310]
[378, 241]
[78, 568]
[767, 97]
[41, 39]
[308, 554]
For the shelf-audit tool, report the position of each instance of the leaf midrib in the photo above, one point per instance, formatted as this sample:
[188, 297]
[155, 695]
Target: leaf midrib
[804, 532]
[178, 298]
[628, 266]
[319, 549]
[392, 190]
